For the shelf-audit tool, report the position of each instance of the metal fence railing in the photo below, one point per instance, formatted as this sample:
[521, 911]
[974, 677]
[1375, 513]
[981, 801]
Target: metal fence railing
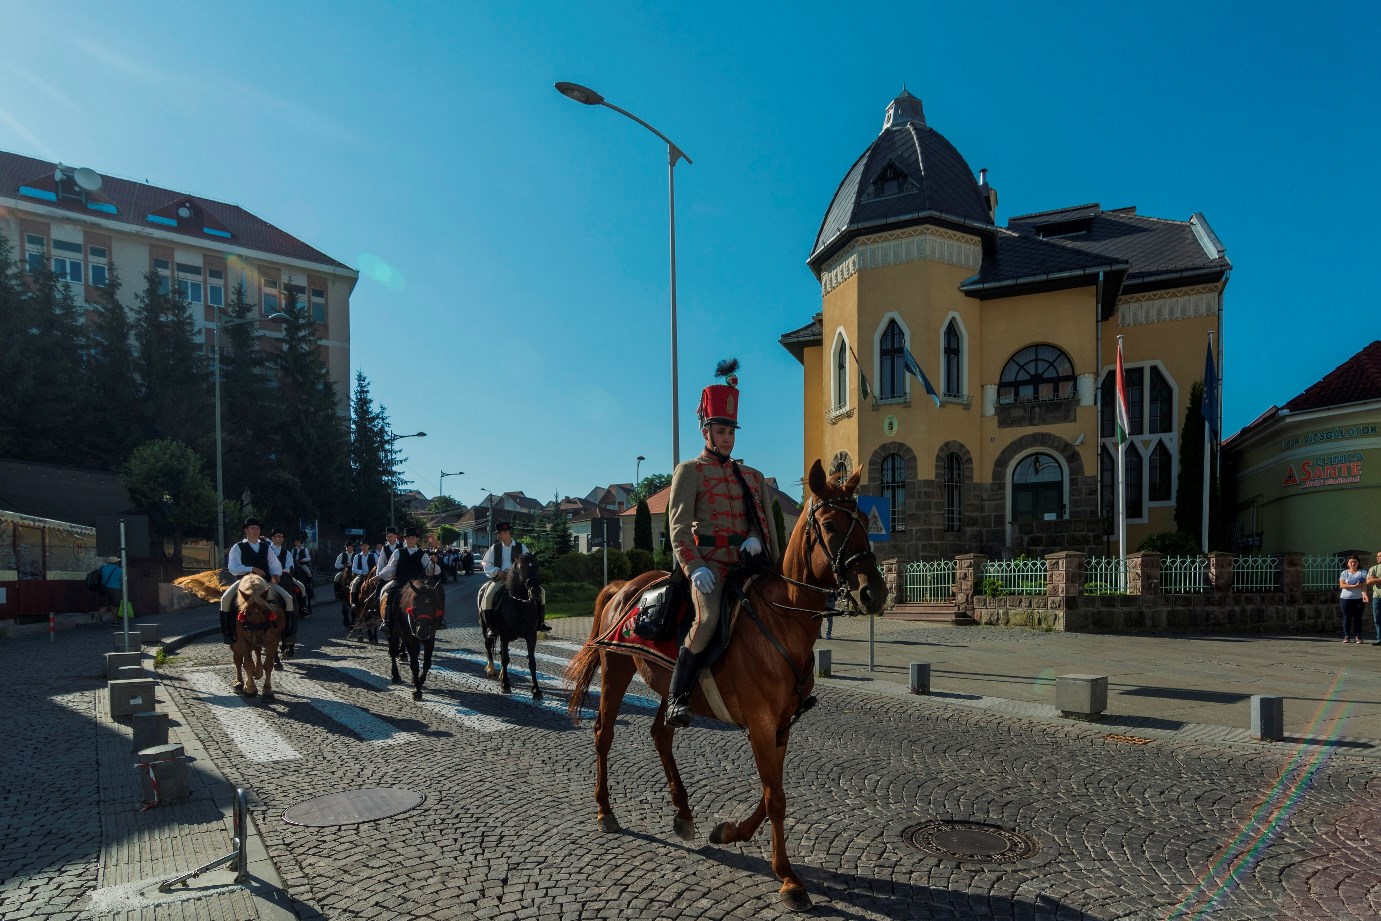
[1321, 572]
[1183, 575]
[1255, 573]
[1015, 577]
[1105, 575]
[930, 582]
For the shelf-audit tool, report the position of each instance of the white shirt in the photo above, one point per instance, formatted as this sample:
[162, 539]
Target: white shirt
[237, 568]
[391, 566]
[302, 556]
[499, 558]
[285, 564]
[343, 561]
[360, 565]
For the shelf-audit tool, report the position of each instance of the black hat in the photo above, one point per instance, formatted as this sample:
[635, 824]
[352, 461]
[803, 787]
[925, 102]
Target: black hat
[503, 526]
[276, 531]
[409, 532]
[252, 523]
[391, 529]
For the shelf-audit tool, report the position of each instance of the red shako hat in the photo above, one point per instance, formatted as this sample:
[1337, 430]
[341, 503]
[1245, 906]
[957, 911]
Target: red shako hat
[719, 402]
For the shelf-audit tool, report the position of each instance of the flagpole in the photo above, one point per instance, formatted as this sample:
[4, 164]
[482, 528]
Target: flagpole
[1208, 427]
[1120, 502]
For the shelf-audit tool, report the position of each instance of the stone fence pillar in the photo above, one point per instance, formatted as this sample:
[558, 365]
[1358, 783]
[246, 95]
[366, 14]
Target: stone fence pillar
[968, 578]
[1292, 571]
[1064, 574]
[890, 573]
[1143, 573]
[1220, 572]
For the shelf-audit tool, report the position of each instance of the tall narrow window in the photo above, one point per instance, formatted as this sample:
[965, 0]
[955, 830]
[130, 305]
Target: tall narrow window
[67, 261]
[954, 387]
[954, 485]
[270, 296]
[841, 374]
[1107, 475]
[892, 373]
[1136, 396]
[318, 305]
[163, 268]
[1133, 467]
[894, 489]
[215, 287]
[1161, 473]
[189, 282]
[35, 252]
[1161, 412]
[98, 258]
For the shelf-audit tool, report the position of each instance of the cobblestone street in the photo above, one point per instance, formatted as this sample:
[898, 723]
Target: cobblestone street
[1165, 829]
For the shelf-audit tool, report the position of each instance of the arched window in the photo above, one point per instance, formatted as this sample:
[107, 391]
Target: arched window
[894, 488]
[954, 485]
[1038, 488]
[1037, 372]
[841, 373]
[953, 384]
[1161, 473]
[892, 370]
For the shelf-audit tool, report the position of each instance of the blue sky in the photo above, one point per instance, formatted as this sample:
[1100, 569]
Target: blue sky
[514, 302]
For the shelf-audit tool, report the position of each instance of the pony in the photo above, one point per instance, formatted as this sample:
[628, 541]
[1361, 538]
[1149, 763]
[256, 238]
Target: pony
[764, 677]
[365, 613]
[259, 621]
[519, 612]
[412, 624]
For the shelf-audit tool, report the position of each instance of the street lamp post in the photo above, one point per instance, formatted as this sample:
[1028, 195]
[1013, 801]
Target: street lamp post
[586, 96]
[393, 474]
[216, 373]
[441, 484]
[638, 475]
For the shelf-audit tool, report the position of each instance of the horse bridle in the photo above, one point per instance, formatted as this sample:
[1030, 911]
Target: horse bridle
[815, 537]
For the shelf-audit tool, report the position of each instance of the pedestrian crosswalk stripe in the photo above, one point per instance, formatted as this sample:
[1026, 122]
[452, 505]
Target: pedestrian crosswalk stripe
[518, 672]
[362, 723]
[250, 732]
[479, 722]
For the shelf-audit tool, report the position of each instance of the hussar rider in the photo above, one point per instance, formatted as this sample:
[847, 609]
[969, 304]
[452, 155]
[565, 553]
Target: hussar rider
[498, 560]
[408, 562]
[717, 517]
[250, 555]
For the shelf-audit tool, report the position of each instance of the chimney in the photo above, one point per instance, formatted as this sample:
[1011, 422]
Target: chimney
[989, 194]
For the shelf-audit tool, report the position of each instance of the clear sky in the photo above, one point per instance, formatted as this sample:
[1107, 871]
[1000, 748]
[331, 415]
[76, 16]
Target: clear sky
[512, 244]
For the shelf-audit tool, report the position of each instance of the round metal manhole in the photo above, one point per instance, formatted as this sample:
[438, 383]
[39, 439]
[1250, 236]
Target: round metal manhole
[970, 842]
[351, 807]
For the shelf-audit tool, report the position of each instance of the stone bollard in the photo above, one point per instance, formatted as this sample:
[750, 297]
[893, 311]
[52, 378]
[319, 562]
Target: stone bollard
[920, 677]
[150, 729]
[1268, 718]
[118, 660]
[133, 641]
[1081, 697]
[148, 633]
[822, 662]
[163, 774]
[129, 696]
[127, 672]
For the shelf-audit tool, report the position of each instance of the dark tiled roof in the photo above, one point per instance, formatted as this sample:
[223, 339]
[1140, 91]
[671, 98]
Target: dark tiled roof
[937, 181]
[813, 333]
[1354, 381]
[134, 201]
[1018, 257]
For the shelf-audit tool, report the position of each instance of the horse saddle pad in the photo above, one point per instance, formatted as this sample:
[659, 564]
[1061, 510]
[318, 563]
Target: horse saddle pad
[624, 637]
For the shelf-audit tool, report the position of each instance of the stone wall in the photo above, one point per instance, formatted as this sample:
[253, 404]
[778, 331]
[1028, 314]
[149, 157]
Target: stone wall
[1274, 612]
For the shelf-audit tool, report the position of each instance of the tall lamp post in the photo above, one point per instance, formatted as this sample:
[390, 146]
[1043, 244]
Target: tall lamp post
[586, 96]
[216, 373]
[638, 475]
[393, 474]
[441, 484]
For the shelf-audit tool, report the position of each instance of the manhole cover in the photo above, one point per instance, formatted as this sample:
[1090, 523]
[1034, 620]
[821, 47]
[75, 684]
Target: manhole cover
[971, 842]
[352, 807]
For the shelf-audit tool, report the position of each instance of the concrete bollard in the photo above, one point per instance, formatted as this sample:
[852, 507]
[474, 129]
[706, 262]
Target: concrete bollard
[1268, 718]
[133, 641]
[129, 696]
[1081, 697]
[150, 729]
[163, 773]
[127, 672]
[115, 661]
[823, 662]
[148, 633]
[920, 677]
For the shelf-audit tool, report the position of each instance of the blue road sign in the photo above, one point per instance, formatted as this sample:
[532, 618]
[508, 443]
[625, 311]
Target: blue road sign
[879, 513]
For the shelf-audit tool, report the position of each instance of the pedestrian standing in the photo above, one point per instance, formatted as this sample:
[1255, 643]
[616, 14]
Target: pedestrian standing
[1352, 582]
[831, 605]
[1374, 587]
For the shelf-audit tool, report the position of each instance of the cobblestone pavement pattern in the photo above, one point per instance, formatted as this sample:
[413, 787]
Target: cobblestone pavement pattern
[1165, 830]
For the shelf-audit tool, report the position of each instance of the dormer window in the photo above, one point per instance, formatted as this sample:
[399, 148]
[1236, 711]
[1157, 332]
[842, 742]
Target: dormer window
[890, 181]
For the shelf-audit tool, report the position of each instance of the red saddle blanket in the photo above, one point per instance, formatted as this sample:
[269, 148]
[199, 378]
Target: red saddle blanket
[622, 638]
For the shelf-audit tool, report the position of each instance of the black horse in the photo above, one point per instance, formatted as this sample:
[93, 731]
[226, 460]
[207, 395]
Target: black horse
[519, 612]
[419, 606]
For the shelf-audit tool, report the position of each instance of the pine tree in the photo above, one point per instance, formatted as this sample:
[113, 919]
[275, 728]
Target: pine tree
[175, 385]
[50, 395]
[370, 454]
[116, 416]
[642, 527]
[249, 415]
[18, 371]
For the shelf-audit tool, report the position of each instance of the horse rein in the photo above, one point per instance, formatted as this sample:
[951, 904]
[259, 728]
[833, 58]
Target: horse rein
[815, 537]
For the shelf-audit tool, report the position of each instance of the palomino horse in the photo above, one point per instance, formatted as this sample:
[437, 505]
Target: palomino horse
[764, 677]
[259, 621]
[420, 607]
[517, 616]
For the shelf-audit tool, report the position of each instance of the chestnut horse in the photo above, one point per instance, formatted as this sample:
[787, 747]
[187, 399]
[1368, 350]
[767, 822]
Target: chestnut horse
[764, 677]
[259, 622]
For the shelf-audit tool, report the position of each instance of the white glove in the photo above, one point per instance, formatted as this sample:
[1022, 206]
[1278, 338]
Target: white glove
[703, 580]
[751, 546]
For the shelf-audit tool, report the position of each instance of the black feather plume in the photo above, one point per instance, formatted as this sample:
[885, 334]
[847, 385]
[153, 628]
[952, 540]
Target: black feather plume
[726, 367]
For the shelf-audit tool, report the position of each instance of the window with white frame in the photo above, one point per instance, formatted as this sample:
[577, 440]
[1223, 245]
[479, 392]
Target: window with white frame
[318, 305]
[1036, 373]
[35, 252]
[954, 352]
[215, 287]
[841, 372]
[269, 295]
[164, 269]
[892, 363]
[189, 282]
[68, 263]
[98, 261]
[1152, 457]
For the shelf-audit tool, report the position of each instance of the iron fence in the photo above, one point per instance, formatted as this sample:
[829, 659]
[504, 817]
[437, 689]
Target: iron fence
[1321, 572]
[930, 582]
[1014, 577]
[1183, 575]
[1105, 575]
[1255, 573]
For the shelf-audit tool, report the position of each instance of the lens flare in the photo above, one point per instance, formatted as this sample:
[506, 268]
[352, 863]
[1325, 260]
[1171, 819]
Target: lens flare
[377, 270]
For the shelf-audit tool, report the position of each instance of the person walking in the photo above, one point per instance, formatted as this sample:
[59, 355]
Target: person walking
[1352, 582]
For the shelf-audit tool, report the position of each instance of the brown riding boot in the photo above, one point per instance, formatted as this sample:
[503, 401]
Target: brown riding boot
[679, 712]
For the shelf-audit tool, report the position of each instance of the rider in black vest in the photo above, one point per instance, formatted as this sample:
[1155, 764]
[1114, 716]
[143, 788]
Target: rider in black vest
[250, 555]
[407, 563]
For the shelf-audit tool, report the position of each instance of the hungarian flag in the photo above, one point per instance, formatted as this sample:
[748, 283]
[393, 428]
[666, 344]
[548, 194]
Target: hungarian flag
[1123, 418]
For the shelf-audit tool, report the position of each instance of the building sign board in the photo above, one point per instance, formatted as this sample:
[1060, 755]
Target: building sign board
[1329, 470]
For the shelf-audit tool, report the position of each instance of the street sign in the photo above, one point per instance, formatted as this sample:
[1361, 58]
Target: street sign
[354, 532]
[878, 511]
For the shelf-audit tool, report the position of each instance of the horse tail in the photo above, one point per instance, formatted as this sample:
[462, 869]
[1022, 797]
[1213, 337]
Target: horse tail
[581, 671]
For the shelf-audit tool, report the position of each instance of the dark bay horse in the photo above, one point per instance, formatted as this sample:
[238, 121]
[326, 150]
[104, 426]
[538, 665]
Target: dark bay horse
[412, 624]
[517, 616]
[765, 676]
[259, 621]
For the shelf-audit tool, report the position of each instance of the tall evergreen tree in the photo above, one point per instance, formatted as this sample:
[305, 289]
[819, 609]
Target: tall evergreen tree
[642, 527]
[50, 395]
[17, 369]
[371, 451]
[116, 424]
[248, 412]
[175, 386]
[1189, 490]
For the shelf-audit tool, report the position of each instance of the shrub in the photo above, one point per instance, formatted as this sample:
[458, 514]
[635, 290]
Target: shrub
[619, 567]
[993, 588]
[639, 561]
[569, 567]
[569, 592]
[1171, 543]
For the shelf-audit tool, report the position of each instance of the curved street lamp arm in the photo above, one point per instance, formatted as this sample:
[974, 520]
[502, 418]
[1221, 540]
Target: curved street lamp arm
[673, 152]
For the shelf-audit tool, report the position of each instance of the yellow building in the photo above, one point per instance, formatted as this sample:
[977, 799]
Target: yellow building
[79, 224]
[1016, 327]
[1303, 477]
